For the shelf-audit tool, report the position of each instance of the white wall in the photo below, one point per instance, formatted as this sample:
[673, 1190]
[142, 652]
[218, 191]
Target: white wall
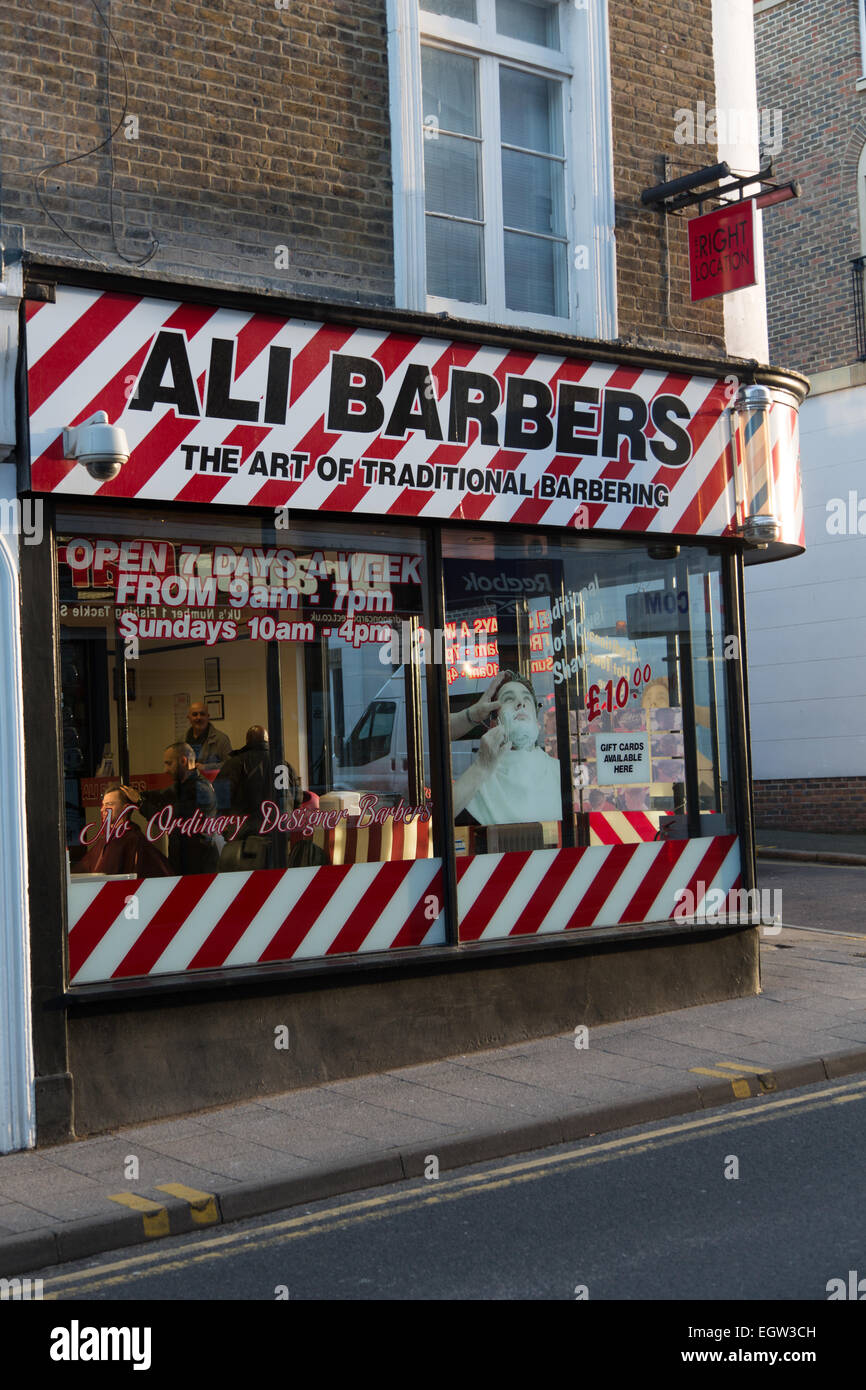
[736, 90]
[806, 617]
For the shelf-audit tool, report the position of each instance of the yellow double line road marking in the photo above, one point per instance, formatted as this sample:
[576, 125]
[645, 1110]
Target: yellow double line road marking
[140, 1265]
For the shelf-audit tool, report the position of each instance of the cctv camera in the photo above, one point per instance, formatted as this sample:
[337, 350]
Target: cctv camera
[101, 447]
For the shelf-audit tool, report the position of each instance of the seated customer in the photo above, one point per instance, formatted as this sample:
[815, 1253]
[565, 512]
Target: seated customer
[120, 847]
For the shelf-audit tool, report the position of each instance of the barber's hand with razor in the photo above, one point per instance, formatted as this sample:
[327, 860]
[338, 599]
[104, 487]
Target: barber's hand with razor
[492, 748]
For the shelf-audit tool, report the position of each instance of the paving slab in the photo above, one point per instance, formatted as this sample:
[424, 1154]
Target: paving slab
[361, 1118]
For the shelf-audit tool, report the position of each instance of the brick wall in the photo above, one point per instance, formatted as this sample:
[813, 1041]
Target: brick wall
[828, 804]
[808, 62]
[260, 128]
[661, 61]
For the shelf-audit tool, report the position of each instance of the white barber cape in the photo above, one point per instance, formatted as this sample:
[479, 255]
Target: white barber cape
[524, 786]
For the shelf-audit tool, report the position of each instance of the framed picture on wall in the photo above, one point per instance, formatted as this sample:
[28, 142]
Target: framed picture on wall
[211, 674]
[215, 707]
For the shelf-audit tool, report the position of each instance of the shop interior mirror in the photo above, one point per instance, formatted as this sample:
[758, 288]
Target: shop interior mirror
[101, 447]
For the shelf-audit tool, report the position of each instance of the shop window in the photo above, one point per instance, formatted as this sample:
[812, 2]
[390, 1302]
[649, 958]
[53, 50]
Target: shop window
[246, 720]
[599, 710]
[229, 699]
[503, 191]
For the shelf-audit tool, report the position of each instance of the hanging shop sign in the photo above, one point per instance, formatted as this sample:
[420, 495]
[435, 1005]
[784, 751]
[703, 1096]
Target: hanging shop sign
[722, 250]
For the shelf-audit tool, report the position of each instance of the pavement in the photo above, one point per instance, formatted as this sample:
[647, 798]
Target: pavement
[810, 846]
[138, 1184]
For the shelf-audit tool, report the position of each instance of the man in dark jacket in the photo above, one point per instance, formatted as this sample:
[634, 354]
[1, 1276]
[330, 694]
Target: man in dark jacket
[246, 779]
[189, 792]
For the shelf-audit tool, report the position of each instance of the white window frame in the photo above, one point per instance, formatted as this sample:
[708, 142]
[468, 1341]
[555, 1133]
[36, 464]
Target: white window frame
[861, 81]
[583, 64]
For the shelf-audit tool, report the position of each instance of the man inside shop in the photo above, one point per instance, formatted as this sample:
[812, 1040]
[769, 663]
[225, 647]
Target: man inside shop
[209, 744]
[189, 792]
[246, 780]
[512, 780]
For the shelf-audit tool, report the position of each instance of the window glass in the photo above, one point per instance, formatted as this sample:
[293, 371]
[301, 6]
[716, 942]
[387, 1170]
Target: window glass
[536, 275]
[508, 754]
[452, 9]
[533, 194]
[595, 712]
[232, 697]
[531, 111]
[533, 23]
[455, 260]
[706, 615]
[452, 176]
[449, 91]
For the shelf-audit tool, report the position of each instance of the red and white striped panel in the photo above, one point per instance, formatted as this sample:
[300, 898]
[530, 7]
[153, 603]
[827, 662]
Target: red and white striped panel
[85, 353]
[623, 827]
[536, 892]
[159, 926]
[351, 844]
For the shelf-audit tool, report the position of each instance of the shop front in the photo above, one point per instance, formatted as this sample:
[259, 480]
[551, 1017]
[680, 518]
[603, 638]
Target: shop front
[400, 687]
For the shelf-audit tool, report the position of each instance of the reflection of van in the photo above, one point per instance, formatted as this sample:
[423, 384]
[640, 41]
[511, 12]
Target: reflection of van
[375, 755]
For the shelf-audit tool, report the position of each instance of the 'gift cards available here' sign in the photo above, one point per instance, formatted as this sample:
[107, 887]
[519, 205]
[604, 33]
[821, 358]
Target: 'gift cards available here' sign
[722, 250]
[622, 758]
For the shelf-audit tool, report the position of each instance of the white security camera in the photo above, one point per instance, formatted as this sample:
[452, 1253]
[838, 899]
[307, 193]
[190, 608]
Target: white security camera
[101, 447]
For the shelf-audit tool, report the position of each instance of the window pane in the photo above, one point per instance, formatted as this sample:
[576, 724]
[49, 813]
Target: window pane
[532, 194]
[455, 260]
[452, 9]
[452, 180]
[531, 111]
[536, 275]
[449, 92]
[521, 19]
[706, 608]
[239, 632]
[494, 625]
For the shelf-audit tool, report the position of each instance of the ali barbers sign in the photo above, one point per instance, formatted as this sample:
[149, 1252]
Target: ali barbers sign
[250, 409]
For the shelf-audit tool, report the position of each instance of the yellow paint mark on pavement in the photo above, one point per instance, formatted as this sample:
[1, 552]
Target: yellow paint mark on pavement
[739, 1083]
[202, 1205]
[154, 1218]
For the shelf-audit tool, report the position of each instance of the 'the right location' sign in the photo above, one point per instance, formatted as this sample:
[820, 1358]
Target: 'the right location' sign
[722, 250]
